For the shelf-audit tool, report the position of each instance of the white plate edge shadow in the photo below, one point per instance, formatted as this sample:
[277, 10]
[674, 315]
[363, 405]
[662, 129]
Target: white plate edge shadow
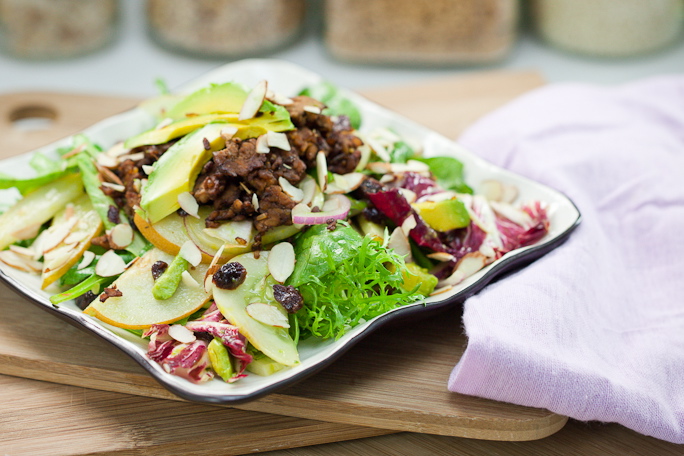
[288, 79]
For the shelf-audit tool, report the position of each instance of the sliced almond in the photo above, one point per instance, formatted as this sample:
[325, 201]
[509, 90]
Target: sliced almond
[262, 145]
[147, 169]
[213, 267]
[108, 175]
[57, 233]
[398, 241]
[86, 260]
[75, 237]
[345, 183]
[255, 201]
[255, 98]
[322, 170]
[23, 251]
[59, 256]
[312, 109]
[267, 314]
[281, 261]
[278, 140]
[278, 99]
[513, 214]
[228, 132]
[188, 280]
[182, 334]
[441, 256]
[466, 266]
[191, 253]
[379, 150]
[189, 204]
[107, 161]
[16, 261]
[115, 187]
[295, 193]
[110, 264]
[409, 195]
[120, 236]
[408, 224]
[75, 151]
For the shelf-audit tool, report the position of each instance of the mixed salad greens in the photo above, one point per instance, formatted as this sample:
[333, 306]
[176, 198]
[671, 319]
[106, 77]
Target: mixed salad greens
[246, 221]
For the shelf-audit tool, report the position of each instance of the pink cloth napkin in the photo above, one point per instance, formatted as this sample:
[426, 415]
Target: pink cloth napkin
[595, 329]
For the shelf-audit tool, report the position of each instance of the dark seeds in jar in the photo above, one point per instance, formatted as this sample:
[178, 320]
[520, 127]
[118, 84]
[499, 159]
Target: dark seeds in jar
[158, 269]
[289, 297]
[230, 276]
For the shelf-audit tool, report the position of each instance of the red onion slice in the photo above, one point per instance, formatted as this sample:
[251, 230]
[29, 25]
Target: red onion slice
[336, 207]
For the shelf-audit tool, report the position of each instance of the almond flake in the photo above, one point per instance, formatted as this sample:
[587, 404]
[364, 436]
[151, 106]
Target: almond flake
[295, 193]
[267, 314]
[182, 334]
[75, 237]
[255, 201]
[147, 169]
[188, 280]
[191, 253]
[322, 170]
[59, 256]
[312, 109]
[115, 187]
[255, 98]
[409, 224]
[409, 195]
[438, 291]
[441, 256]
[88, 258]
[110, 264]
[366, 153]
[107, 161]
[134, 157]
[281, 261]
[213, 267]
[466, 266]
[262, 145]
[278, 99]
[278, 140]
[23, 251]
[57, 233]
[228, 132]
[398, 241]
[17, 262]
[120, 236]
[189, 204]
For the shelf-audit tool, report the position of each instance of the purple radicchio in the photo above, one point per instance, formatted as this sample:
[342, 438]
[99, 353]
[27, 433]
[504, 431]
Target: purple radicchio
[186, 360]
[231, 338]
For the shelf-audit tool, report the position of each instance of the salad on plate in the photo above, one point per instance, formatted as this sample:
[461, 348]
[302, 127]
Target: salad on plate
[247, 221]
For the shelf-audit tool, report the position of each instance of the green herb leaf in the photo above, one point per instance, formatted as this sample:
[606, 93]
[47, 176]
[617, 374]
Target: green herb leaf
[449, 173]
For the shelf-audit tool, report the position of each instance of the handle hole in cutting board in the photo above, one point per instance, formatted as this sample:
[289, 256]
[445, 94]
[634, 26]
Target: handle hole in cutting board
[32, 117]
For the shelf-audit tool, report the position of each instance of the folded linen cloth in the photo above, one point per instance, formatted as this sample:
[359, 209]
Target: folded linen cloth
[595, 329]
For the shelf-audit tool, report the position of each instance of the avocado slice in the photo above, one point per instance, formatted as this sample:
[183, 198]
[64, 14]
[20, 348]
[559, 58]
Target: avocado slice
[215, 98]
[274, 342]
[176, 130]
[176, 171]
[415, 276]
[445, 215]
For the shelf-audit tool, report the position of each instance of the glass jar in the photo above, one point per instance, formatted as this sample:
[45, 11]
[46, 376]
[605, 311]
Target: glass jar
[609, 28]
[54, 29]
[225, 28]
[417, 32]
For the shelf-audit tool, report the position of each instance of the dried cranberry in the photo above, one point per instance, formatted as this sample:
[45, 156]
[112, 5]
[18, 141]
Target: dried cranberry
[289, 297]
[113, 214]
[158, 269]
[230, 276]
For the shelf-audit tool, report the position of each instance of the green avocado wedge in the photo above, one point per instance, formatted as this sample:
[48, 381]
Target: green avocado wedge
[216, 103]
[176, 171]
[274, 342]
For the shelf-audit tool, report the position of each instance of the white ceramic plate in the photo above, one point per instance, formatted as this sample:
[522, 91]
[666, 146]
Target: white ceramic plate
[289, 79]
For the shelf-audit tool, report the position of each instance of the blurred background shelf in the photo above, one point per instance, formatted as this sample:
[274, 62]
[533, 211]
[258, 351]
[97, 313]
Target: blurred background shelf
[129, 65]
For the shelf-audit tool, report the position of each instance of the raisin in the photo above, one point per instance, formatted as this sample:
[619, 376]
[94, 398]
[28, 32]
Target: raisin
[158, 269]
[110, 293]
[113, 214]
[289, 297]
[230, 276]
[85, 299]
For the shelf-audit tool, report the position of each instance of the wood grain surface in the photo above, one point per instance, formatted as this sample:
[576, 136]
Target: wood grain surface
[395, 379]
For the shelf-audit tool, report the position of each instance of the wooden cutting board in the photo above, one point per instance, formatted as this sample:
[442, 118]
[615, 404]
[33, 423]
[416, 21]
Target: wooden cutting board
[395, 379]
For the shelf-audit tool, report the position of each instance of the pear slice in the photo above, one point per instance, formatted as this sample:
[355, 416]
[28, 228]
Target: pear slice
[136, 308]
[275, 342]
